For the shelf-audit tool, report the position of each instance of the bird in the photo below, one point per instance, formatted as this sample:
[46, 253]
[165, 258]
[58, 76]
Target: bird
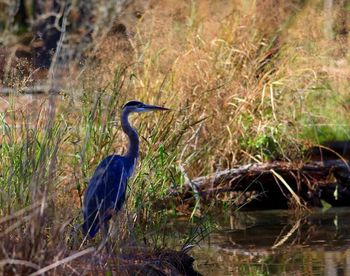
[105, 193]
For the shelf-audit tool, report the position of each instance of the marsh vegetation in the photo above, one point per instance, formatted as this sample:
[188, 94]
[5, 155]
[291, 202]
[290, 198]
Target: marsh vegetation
[247, 82]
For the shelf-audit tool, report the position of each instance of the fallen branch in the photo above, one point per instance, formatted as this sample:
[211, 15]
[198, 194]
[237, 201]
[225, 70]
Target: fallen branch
[271, 183]
[38, 89]
[321, 168]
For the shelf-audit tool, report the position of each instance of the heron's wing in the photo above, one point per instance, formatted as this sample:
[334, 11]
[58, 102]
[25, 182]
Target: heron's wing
[105, 192]
[108, 177]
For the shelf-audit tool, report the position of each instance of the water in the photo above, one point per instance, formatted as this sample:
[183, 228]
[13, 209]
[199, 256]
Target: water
[277, 243]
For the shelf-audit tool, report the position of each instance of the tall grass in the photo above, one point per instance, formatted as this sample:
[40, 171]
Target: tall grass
[242, 84]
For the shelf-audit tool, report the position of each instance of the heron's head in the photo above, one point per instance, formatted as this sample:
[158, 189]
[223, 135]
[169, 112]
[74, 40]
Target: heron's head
[136, 106]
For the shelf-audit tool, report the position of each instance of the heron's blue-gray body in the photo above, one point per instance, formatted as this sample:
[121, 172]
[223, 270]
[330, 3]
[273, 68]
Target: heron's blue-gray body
[105, 193]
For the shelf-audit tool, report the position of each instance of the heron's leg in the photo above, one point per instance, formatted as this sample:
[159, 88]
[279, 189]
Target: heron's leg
[130, 224]
[105, 235]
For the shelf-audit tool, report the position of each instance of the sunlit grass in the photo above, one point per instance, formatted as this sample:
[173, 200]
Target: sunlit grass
[244, 85]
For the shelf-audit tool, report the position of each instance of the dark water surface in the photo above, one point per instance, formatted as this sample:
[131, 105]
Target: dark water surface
[277, 243]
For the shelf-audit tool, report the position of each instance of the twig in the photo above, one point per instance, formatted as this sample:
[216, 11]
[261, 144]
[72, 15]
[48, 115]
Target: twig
[183, 171]
[37, 89]
[66, 10]
[18, 262]
[286, 237]
[63, 261]
[20, 213]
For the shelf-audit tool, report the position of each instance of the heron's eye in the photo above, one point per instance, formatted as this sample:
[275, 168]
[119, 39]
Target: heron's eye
[138, 14]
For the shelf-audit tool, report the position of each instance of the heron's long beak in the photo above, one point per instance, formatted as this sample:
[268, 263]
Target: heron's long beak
[154, 107]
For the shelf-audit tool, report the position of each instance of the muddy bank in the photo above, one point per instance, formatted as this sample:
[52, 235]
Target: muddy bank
[89, 261]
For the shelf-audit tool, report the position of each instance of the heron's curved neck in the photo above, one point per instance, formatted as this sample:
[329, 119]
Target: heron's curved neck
[133, 149]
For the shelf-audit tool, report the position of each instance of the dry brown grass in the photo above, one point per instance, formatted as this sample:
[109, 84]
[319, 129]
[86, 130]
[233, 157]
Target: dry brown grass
[247, 82]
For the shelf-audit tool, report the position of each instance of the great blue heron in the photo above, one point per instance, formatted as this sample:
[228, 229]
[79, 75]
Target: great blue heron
[105, 193]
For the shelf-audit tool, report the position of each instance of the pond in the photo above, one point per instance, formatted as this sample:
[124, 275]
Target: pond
[277, 243]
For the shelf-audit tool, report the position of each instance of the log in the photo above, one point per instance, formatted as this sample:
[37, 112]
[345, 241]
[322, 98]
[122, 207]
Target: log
[275, 185]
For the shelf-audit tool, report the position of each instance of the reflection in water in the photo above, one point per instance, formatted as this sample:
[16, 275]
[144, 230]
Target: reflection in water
[278, 242]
